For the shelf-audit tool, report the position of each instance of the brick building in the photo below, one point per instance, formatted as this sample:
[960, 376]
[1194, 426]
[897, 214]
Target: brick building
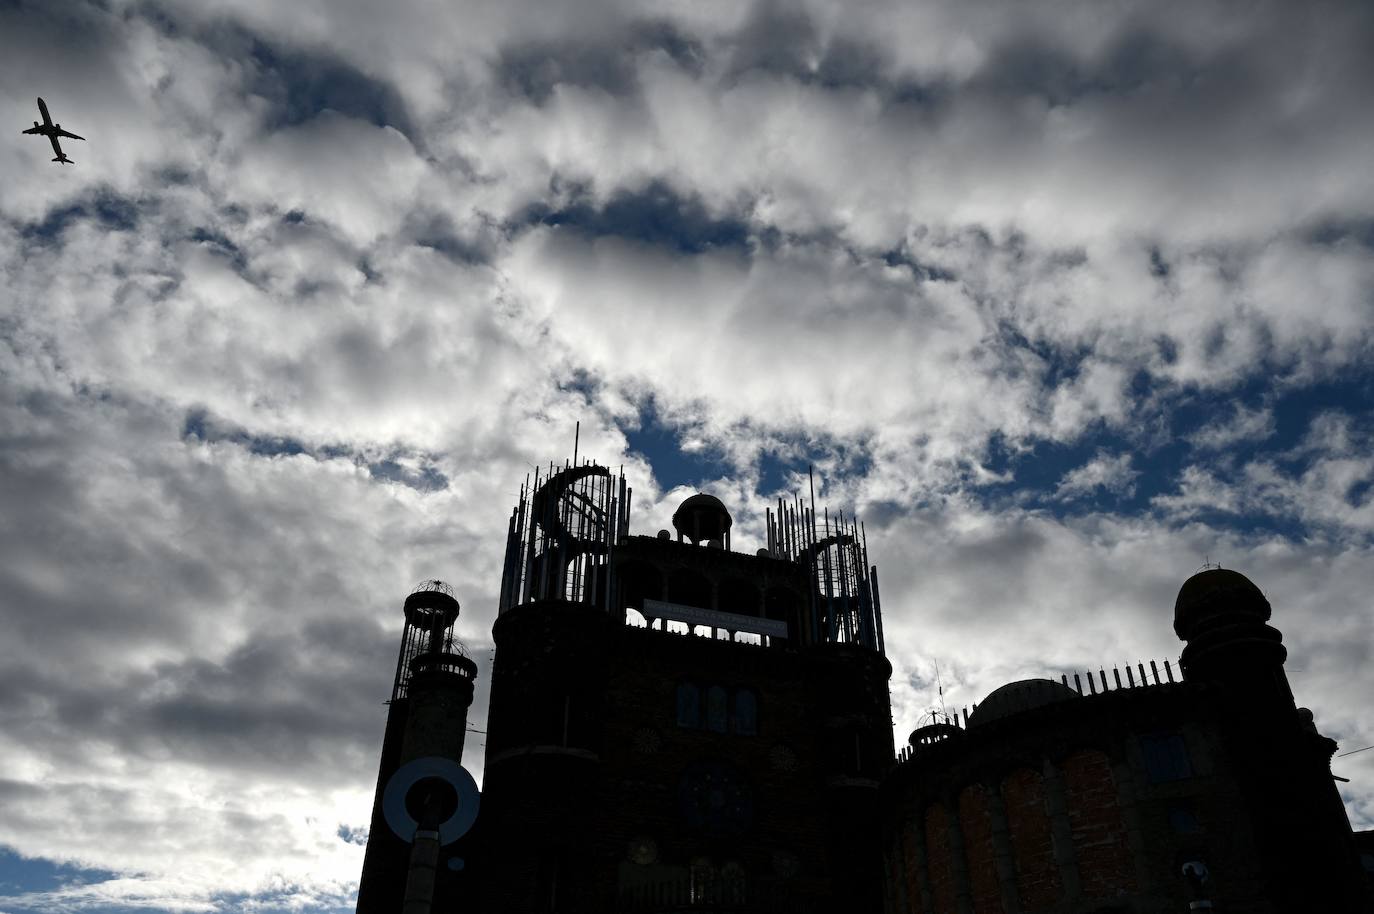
[673, 725]
[1051, 798]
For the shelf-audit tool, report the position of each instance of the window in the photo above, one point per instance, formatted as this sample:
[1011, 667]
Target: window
[688, 705]
[717, 709]
[1166, 757]
[745, 721]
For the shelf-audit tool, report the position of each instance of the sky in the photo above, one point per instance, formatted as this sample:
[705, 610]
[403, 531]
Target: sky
[1063, 299]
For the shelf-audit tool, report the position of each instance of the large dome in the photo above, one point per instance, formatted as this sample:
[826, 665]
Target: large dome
[702, 517]
[1015, 697]
[1217, 595]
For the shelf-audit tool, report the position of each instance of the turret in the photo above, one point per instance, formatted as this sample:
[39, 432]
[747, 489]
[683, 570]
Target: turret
[425, 800]
[1224, 618]
[1282, 764]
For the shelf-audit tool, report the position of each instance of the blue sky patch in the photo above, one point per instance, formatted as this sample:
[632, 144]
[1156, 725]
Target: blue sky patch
[661, 445]
[20, 874]
[655, 215]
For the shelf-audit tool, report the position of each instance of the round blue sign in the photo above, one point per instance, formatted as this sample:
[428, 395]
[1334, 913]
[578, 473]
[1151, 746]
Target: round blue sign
[408, 775]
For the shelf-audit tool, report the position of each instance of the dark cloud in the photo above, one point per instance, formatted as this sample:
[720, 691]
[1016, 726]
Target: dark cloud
[299, 83]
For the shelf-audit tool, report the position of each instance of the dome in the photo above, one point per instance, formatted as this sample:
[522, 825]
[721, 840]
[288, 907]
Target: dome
[1015, 697]
[1217, 595]
[702, 517]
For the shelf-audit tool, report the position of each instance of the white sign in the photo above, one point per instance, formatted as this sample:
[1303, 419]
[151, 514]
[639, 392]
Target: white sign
[695, 615]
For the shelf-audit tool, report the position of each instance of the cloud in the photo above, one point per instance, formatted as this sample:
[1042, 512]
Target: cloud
[1105, 474]
[1060, 300]
[1244, 425]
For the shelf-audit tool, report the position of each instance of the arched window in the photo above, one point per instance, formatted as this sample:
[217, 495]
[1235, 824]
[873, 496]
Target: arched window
[745, 720]
[688, 705]
[717, 709]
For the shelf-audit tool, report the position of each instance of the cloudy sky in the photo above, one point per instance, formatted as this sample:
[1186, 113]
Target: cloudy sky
[1063, 298]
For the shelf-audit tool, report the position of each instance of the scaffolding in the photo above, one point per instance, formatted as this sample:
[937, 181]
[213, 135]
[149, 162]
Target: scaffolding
[562, 536]
[845, 608]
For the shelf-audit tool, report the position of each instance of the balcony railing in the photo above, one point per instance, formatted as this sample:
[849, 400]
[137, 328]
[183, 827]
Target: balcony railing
[714, 895]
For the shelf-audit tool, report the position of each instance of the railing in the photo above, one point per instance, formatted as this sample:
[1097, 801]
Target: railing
[1132, 682]
[946, 725]
[715, 894]
[673, 627]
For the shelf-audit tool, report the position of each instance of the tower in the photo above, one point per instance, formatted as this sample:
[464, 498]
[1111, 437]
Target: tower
[674, 722]
[424, 801]
[1282, 764]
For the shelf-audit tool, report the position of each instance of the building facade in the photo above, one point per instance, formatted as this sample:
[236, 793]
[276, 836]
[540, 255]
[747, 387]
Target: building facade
[678, 726]
[1052, 798]
[673, 724]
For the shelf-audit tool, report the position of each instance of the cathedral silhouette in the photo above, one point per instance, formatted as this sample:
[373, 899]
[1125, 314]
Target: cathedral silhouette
[678, 727]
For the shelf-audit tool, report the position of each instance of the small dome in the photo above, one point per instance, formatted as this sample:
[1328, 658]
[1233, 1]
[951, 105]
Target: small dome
[1217, 595]
[702, 517]
[1015, 697]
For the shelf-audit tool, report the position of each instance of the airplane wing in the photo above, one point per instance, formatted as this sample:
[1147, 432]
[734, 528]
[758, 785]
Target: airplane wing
[33, 130]
[56, 146]
[47, 120]
[72, 135]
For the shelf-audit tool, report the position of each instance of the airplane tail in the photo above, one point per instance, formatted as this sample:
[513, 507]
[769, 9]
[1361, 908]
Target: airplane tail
[64, 160]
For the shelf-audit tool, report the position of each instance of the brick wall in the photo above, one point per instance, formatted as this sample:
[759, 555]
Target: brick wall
[938, 858]
[911, 867]
[1099, 835]
[978, 850]
[1037, 877]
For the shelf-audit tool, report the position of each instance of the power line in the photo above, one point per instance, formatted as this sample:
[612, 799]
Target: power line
[1353, 751]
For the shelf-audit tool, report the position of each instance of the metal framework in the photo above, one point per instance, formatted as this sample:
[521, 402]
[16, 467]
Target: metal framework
[568, 521]
[845, 607]
[562, 536]
[427, 640]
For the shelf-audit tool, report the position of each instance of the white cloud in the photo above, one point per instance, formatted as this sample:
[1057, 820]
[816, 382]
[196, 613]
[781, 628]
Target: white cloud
[1105, 473]
[1244, 425]
[913, 229]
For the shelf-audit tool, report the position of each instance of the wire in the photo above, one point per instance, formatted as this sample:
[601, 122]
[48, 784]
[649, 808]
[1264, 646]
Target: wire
[1353, 751]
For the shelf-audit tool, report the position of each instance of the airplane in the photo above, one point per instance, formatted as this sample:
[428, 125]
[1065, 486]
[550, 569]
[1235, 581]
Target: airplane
[52, 132]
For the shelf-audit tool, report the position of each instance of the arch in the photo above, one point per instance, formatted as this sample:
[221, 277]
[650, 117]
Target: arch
[744, 713]
[689, 705]
[689, 587]
[717, 709]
